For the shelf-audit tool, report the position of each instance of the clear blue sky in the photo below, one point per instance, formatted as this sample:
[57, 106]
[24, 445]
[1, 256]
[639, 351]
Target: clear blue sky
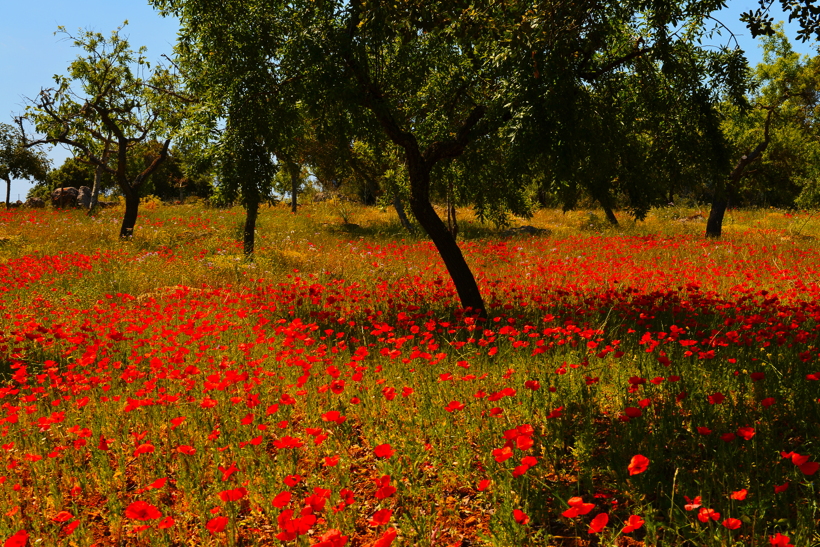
[30, 53]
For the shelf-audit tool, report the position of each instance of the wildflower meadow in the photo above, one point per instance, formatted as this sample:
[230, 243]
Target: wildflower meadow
[632, 387]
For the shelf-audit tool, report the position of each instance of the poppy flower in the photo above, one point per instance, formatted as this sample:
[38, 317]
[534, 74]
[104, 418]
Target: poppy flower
[233, 495]
[216, 525]
[716, 398]
[18, 539]
[165, 523]
[386, 539]
[779, 541]
[705, 514]
[598, 523]
[483, 485]
[520, 517]
[383, 451]
[146, 448]
[331, 538]
[453, 406]
[632, 523]
[778, 488]
[638, 464]
[502, 454]
[186, 449]
[62, 516]
[732, 524]
[809, 468]
[746, 433]
[330, 461]
[740, 495]
[69, 528]
[380, 517]
[292, 480]
[282, 499]
[142, 510]
[691, 505]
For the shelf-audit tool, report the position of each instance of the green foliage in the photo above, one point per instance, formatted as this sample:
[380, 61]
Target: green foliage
[787, 85]
[17, 161]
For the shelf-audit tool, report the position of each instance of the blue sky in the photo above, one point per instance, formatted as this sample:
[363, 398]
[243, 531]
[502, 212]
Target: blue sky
[30, 53]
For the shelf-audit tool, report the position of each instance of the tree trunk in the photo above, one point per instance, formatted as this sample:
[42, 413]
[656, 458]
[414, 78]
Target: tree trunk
[447, 247]
[714, 225]
[294, 171]
[610, 215]
[129, 219]
[405, 222]
[452, 222]
[8, 192]
[720, 200]
[249, 232]
[95, 190]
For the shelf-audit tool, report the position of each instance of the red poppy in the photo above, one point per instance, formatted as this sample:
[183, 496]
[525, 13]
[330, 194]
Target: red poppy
[18, 539]
[216, 525]
[292, 480]
[740, 495]
[809, 468]
[778, 488]
[386, 539]
[142, 510]
[502, 454]
[732, 524]
[186, 449]
[632, 523]
[638, 464]
[746, 433]
[484, 484]
[716, 398]
[453, 406]
[520, 517]
[62, 516]
[705, 514]
[331, 538]
[282, 499]
[779, 541]
[383, 451]
[165, 523]
[233, 495]
[330, 461]
[380, 517]
[598, 523]
[69, 528]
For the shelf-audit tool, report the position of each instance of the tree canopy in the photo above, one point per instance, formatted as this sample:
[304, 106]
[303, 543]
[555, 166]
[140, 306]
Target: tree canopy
[17, 161]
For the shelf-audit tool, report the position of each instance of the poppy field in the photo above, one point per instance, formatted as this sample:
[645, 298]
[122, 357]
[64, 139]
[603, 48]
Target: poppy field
[641, 387]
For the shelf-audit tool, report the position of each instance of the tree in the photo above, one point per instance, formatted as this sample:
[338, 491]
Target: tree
[17, 161]
[107, 106]
[436, 78]
[775, 141]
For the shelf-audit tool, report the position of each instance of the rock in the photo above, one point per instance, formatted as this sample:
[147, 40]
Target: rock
[64, 197]
[15, 204]
[525, 230]
[35, 203]
[84, 197]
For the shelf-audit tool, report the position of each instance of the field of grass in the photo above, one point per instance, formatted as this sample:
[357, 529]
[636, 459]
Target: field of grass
[631, 386]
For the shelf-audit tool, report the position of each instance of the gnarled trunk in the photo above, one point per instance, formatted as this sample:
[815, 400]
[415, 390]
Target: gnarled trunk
[714, 224]
[446, 245]
[294, 171]
[399, 206]
[129, 219]
[249, 232]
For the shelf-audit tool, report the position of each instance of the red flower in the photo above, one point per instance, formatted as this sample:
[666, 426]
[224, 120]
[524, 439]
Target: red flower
[386, 538]
[633, 523]
[62, 516]
[809, 468]
[385, 489]
[502, 454]
[142, 510]
[330, 461]
[483, 485]
[69, 528]
[146, 448]
[716, 398]
[331, 538]
[281, 499]
[692, 504]
[186, 449]
[746, 433]
[216, 524]
[780, 487]
[520, 517]
[383, 451]
[633, 412]
[18, 539]
[382, 516]
[292, 480]
[598, 523]
[732, 524]
[740, 495]
[779, 541]
[638, 464]
[453, 406]
[577, 507]
[705, 514]
[167, 522]
[233, 495]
